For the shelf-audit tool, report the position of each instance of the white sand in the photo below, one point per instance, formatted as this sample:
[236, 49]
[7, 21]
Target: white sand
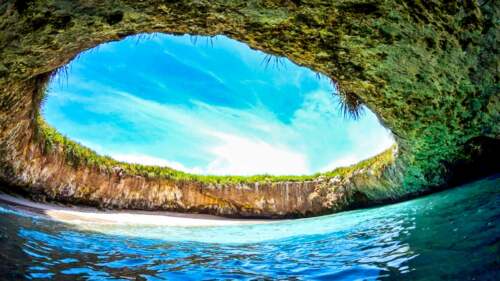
[79, 215]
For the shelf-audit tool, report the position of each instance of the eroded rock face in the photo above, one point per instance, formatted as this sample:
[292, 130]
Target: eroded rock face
[48, 176]
[428, 70]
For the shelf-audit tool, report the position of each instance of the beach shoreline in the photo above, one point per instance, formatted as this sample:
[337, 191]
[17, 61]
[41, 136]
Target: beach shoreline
[89, 215]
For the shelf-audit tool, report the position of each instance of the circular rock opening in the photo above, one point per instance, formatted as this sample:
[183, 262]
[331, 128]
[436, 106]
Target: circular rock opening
[207, 105]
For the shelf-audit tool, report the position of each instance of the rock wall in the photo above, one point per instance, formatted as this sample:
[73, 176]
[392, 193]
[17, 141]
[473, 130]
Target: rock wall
[48, 176]
[428, 69]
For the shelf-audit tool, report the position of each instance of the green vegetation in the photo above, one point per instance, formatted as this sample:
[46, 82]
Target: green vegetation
[78, 155]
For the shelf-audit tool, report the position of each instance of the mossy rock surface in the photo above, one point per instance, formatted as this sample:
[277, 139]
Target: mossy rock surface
[428, 69]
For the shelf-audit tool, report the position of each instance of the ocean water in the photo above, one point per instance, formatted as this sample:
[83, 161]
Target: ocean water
[452, 235]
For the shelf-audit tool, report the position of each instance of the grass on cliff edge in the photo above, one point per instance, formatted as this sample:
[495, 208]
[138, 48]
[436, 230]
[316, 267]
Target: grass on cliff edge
[78, 155]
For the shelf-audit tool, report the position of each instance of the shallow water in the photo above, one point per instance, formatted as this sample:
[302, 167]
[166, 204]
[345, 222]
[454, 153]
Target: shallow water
[449, 235]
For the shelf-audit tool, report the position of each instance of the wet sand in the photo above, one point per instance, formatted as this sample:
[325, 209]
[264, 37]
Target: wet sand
[82, 215]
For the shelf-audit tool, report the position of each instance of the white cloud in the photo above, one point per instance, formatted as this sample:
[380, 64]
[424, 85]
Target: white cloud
[235, 155]
[365, 146]
[341, 162]
[243, 156]
[154, 161]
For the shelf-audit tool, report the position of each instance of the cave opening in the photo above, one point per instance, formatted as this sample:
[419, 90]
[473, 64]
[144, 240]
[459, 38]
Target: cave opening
[208, 105]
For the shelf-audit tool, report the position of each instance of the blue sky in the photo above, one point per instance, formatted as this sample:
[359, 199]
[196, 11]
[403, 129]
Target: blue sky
[206, 107]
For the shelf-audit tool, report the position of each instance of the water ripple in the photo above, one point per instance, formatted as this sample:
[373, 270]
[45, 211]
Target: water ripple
[424, 239]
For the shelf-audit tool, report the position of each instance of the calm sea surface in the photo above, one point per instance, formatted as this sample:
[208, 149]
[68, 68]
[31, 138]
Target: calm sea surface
[452, 235]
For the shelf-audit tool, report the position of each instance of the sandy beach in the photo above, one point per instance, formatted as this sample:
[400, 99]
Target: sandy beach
[82, 215]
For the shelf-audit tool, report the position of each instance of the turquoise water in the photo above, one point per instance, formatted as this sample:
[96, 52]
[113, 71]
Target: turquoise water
[452, 235]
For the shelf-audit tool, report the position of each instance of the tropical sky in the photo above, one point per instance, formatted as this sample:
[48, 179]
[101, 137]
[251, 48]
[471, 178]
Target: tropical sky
[207, 105]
